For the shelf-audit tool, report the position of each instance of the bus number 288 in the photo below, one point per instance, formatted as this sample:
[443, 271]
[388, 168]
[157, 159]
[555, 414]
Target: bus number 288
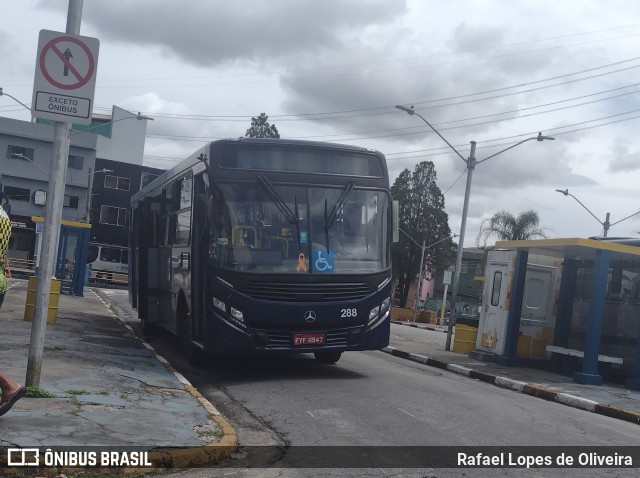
[348, 312]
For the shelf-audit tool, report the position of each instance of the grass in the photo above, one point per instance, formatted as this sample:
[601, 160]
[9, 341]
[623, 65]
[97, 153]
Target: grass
[78, 392]
[37, 392]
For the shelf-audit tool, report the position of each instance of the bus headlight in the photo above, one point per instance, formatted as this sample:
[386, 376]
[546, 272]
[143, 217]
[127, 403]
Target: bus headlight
[237, 315]
[373, 314]
[385, 304]
[378, 312]
[218, 304]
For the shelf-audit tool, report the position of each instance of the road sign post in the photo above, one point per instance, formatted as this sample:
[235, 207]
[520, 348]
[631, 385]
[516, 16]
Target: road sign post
[446, 280]
[63, 91]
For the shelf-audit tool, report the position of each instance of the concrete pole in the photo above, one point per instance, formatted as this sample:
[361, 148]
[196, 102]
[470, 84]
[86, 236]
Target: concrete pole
[471, 165]
[444, 304]
[89, 195]
[52, 221]
[606, 225]
[415, 306]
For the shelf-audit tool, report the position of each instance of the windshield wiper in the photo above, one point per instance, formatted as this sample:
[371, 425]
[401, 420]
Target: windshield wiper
[282, 206]
[342, 200]
[330, 219]
[277, 200]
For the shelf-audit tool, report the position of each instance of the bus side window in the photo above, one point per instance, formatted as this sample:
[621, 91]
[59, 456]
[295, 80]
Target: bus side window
[110, 255]
[93, 254]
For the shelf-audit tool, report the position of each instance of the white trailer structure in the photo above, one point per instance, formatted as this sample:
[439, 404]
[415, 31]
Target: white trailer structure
[539, 304]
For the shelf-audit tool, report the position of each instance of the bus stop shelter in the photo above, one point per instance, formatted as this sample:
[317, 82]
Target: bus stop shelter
[598, 307]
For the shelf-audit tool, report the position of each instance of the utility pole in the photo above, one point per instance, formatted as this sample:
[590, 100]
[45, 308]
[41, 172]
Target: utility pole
[89, 194]
[471, 166]
[52, 220]
[415, 307]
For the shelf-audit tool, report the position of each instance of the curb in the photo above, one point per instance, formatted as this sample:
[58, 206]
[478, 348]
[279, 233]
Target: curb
[522, 387]
[209, 454]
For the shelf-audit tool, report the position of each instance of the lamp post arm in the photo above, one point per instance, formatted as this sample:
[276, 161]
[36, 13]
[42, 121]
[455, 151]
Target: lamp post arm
[624, 219]
[139, 117]
[506, 149]
[441, 137]
[2, 93]
[412, 112]
[587, 209]
[430, 245]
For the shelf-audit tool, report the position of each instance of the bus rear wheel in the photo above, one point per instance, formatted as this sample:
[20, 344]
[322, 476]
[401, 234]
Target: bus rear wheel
[327, 357]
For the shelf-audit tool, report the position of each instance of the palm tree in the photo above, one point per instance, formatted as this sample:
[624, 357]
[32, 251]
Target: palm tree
[506, 227]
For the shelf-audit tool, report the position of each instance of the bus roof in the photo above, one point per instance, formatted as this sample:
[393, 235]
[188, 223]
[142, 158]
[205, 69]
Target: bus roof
[198, 156]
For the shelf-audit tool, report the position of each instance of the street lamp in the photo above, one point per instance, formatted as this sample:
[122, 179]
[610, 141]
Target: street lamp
[415, 306]
[27, 158]
[471, 164]
[606, 224]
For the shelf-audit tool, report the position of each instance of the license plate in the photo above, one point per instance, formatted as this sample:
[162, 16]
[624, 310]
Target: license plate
[308, 339]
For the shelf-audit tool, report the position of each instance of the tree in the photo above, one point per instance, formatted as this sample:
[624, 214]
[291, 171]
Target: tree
[422, 217]
[260, 128]
[506, 227]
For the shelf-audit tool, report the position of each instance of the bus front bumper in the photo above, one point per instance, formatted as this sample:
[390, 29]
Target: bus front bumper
[225, 337]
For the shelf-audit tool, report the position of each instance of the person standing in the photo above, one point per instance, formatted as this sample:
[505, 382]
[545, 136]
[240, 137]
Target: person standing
[12, 391]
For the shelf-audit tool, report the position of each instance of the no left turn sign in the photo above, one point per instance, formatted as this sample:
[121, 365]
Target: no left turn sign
[64, 83]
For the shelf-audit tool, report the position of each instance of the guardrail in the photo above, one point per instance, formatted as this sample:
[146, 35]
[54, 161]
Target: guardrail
[21, 266]
[26, 267]
[104, 276]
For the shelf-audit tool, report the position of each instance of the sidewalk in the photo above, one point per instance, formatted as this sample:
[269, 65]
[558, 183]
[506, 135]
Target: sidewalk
[111, 389]
[426, 344]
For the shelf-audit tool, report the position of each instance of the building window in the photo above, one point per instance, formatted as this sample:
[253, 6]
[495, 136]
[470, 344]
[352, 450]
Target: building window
[17, 194]
[75, 162]
[116, 182]
[20, 152]
[464, 267]
[71, 201]
[116, 216]
[147, 178]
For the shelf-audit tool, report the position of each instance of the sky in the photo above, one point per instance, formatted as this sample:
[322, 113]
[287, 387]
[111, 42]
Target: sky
[492, 71]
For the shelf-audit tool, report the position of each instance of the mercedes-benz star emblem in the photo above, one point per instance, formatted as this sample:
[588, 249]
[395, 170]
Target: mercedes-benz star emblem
[309, 316]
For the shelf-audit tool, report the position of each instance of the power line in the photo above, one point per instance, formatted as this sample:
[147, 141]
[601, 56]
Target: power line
[394, 60]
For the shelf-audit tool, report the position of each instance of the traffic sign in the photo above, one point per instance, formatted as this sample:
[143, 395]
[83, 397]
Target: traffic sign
[447, 278]
[65, 78]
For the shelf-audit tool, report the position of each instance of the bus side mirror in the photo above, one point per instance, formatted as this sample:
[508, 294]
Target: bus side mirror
[395, 220]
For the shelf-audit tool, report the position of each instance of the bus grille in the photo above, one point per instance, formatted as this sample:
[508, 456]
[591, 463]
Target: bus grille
[296, 292]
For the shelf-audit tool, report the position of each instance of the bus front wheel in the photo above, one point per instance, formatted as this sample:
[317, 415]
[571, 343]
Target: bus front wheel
[327, 357]
[193, 354]
[148, 330]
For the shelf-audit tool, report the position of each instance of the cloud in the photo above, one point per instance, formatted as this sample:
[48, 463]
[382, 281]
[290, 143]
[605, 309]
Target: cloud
[213, 32]
[622, 158]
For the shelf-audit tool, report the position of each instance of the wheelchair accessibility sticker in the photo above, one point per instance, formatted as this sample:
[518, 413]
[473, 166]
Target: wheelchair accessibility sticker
[322, 261]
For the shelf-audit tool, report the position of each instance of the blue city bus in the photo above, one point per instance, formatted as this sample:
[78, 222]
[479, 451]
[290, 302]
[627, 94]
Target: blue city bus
[266, 245]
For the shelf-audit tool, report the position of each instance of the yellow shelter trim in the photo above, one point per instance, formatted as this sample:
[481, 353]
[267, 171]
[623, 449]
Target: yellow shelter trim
[571, 245]
[65, 222]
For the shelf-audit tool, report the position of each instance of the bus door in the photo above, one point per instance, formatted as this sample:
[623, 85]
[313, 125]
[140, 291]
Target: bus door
[179, 260]
[199, 256]
[154, 249]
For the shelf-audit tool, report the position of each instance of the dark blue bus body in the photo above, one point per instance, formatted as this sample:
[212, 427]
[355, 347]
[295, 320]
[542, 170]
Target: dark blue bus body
[264, 245]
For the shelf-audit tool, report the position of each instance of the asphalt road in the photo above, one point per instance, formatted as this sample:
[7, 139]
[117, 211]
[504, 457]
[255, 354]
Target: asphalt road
[375, 399]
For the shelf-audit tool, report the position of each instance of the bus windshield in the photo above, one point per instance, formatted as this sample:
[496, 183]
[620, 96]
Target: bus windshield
[299, 229]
